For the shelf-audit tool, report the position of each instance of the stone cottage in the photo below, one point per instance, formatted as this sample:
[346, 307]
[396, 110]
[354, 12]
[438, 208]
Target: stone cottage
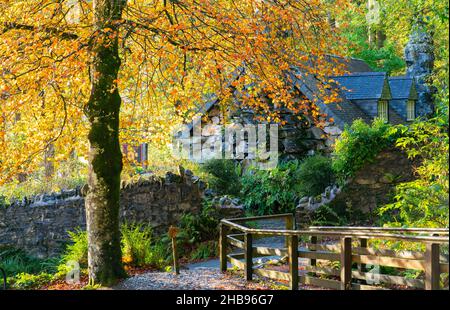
[363, 94]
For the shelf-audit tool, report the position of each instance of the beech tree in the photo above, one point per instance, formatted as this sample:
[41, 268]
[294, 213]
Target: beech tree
[81, 77]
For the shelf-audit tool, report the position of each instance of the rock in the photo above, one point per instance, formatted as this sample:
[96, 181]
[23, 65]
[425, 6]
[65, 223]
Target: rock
[364, 181]
[316, 133]
[303, 200]
[332, 130]
[419, 58]
[84, 190]
[209, 192]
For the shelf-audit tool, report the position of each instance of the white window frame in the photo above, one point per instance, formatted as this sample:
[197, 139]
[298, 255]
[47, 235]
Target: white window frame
[383, 110]
[410, 110]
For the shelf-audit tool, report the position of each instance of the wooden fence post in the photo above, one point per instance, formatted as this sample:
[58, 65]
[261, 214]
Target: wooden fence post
[223, 247]
[293, 262]
[289, 226]
[248, 256]
[432, 266]
[346, 263]
[362, 244]
[313, 240]
[362, 267]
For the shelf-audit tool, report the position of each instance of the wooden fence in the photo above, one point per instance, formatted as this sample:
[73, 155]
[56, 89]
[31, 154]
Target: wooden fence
[345, 248]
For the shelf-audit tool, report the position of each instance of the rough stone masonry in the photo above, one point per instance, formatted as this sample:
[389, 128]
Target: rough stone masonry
[40, 224]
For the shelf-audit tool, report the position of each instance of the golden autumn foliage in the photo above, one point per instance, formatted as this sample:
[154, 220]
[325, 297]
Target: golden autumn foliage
[173, 54]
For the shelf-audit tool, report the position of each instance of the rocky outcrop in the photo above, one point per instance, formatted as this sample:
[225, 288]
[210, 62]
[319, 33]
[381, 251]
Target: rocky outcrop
[373, 185]
[419, 57]
[40, 224]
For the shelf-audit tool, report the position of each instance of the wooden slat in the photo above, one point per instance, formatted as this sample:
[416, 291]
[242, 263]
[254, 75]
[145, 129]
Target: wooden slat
[323, 270]
[365, 287]
[389, 279]
[332, 284]
[270, 251]
[319, 255]
[444, 268]
[389, 261]
[323, 247]
[272, 274]
[232, 258]
[235, 242]
[389, 253]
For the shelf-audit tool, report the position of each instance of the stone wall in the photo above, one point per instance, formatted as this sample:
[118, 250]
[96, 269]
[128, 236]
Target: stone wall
[297, 138]
[40, 224]
[371, 187]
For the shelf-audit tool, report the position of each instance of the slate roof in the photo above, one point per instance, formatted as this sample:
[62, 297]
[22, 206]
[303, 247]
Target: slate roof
[352, 64]
[400, 87]
[395, 118]
[362, 85]
[344, 112]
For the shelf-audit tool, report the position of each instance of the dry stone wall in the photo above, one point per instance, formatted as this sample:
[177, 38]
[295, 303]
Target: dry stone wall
[40, 224]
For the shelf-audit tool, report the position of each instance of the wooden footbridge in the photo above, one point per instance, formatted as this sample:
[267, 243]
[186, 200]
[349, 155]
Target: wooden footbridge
[345, 258]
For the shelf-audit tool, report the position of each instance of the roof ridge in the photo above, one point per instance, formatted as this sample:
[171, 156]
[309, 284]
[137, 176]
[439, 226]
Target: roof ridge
[400, 77]
[359, 74]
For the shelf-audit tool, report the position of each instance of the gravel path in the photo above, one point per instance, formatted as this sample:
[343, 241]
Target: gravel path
[206, 275]
[198, 279]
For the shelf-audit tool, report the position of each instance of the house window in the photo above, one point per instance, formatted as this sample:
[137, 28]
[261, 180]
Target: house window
[383, 111]
[411, 110]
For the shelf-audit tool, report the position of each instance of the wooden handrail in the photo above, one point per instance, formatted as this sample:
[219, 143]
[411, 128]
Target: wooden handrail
[372, 235]
[261, 218]
[430, 261]
[441, 231]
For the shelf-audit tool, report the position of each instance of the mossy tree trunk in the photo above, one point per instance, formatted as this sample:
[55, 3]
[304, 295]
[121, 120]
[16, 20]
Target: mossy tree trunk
[105, 157]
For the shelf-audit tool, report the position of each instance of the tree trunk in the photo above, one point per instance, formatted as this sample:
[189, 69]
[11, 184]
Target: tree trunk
[381, 37]
[105, 157]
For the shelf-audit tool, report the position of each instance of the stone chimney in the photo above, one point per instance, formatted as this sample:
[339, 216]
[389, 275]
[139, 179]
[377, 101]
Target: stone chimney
[419, 57]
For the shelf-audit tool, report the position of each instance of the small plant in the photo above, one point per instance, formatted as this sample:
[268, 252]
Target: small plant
[314, 174]
[78, 249]
[15, 261]
[359, 144]
[223, 176]
[271, 191]
[200, 227]
[136, 244]
[205, 250]
[25, 280]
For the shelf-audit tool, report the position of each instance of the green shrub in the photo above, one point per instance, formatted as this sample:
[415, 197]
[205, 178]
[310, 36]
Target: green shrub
[200, 227]
[77, 250]
[314, 174]
[358, 144]
[25, 280]
[423, 202]
[15, 261]
[271, 191]
[205, 250]
[326, 216]
[137, 248]
[223, 176]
